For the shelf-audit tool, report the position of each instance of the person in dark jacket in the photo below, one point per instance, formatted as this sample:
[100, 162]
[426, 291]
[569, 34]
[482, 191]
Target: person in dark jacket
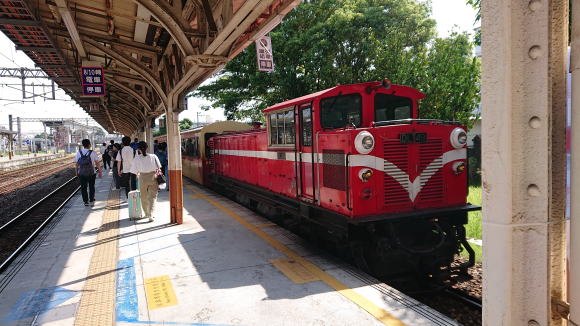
[114, 152]
[163, 159]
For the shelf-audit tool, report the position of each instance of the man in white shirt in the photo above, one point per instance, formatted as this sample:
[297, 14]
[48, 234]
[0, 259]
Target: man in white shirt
[125, 159]
[86, 160]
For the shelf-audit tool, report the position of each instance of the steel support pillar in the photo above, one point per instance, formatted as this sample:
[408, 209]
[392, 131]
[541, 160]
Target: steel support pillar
[174, 156]
[523, 100]
[574, 273]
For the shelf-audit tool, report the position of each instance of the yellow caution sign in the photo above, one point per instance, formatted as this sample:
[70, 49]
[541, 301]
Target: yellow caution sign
[159, 291]
[295, 271]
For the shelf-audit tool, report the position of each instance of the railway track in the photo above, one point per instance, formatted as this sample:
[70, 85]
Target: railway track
[17, 233]
[16, 179]
[464, 297]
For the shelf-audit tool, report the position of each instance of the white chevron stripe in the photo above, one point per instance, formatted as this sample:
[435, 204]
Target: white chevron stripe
[373, 162]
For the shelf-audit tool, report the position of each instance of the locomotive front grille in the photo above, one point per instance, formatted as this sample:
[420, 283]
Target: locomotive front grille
[334, 169]
[396, 169]
[430, 164]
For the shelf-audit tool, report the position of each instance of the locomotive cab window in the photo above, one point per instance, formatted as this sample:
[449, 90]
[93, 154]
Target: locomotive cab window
[341, 111]
[392, 107]
[282, 128]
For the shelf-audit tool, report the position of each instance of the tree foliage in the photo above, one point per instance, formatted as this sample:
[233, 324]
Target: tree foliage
[327, 42]
[185, 123]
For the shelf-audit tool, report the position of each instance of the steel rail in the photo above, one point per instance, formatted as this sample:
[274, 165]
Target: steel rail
[26, 242]
[464, 297]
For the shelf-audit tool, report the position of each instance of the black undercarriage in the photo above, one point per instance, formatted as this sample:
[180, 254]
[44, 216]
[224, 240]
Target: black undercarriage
[414, 245]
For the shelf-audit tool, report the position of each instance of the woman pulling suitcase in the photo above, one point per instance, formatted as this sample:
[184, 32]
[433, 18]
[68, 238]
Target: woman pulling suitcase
[146, 166]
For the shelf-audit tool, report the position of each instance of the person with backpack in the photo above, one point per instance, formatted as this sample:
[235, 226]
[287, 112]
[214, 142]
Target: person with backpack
[86, 161]
[125, 158]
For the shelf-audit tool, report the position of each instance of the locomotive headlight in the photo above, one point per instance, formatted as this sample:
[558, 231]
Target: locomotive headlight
[364, 142]
[458, 167]
[365, 174]
[458, 138]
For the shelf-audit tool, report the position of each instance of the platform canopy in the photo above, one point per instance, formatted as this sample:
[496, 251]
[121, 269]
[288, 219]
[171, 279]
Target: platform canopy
[153, 51]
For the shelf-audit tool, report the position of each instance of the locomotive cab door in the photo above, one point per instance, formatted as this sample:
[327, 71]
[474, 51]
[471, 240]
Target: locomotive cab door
[306, 155]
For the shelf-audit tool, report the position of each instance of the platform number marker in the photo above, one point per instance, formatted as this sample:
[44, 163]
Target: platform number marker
[160, 293]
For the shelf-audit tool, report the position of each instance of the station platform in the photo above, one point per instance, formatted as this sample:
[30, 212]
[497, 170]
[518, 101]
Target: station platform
[16, 161]
[225, 265]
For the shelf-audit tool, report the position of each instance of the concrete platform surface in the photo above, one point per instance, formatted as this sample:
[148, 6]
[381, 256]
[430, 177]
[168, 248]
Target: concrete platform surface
[224, 265]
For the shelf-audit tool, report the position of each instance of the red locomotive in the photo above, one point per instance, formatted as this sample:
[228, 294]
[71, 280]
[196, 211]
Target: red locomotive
[354, 166]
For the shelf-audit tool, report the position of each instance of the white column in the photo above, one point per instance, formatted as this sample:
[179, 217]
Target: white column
[174, 157]
[523, 92]
[574, 273]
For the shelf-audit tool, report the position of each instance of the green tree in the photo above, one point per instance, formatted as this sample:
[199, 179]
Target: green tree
[451, 80]
[476, 4]
[185, 123]
[327, 42]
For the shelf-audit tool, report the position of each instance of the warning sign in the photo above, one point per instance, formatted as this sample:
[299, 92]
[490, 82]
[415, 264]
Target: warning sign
[264, 54]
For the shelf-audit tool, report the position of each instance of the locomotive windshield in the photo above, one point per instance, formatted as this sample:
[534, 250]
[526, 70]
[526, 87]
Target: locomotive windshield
[392, 107]
[341, 111]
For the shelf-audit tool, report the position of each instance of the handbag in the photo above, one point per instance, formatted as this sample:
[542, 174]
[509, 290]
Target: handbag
[159, 177]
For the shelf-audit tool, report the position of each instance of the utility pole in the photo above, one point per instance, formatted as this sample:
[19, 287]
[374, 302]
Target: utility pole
[45, 139]
[10, 139]
[18, 128]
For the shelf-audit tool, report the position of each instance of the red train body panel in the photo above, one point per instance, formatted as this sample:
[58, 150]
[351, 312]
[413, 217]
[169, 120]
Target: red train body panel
[312, 151]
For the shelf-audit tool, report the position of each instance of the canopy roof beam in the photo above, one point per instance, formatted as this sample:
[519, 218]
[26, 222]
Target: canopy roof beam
[131, 63]
[71, 26]
[171, 21]
[142, 100]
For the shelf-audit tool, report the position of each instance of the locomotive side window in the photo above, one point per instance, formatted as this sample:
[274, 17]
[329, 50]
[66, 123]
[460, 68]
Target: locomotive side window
[341, 111]
[282, 128]
[392, 107]
[307, 126]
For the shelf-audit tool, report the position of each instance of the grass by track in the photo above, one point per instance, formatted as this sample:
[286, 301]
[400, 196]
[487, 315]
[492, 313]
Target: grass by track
[473, 228]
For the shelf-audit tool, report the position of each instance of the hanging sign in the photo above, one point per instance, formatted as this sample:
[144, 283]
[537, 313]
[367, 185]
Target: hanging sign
[93, 81]
[264, 54]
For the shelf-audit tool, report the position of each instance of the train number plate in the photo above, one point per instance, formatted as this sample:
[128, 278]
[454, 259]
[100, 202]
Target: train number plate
[413, 137]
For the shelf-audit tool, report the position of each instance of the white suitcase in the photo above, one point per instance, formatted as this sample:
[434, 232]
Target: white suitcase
[134, 203]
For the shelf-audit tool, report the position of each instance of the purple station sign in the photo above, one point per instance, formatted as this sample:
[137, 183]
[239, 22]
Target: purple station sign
[93, 81]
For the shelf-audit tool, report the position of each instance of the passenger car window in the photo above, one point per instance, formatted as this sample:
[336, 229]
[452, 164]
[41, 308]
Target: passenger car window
[282, 128]
[392, 107]
[341, 111]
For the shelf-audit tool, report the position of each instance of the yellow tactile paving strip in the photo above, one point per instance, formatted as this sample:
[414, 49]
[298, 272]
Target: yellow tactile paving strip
[294, 271]
[379, 313]
[97, 304]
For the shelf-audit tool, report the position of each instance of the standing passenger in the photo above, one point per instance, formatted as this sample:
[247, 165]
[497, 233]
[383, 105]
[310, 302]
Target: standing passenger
[161, 153]
[147, 166]
[86, 160]
[113, 153]
[135, 143]
[106, 156]
[126, 156]
[155, 145]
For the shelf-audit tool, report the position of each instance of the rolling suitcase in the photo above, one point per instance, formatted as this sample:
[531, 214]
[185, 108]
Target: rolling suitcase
[134, 202]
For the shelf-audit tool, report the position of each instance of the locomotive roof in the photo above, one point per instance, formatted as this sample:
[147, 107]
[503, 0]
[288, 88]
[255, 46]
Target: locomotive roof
[400, 89]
